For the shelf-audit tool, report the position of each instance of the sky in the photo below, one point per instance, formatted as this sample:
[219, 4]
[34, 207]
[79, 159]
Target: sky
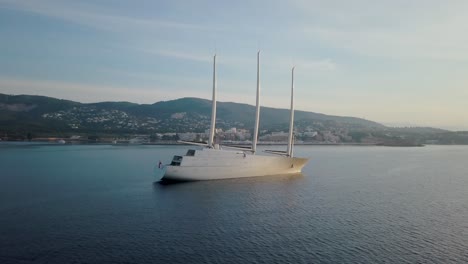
[400, 63]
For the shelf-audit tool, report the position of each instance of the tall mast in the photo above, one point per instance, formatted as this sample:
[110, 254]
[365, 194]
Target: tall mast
[257, 112]
[291, 121]
[213, 108]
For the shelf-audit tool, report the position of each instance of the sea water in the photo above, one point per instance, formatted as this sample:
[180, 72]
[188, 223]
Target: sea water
[104, 204]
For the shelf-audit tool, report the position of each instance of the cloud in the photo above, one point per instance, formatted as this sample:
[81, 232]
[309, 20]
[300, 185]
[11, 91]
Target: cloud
[404, 44]
[82, 14]
[88, 93]
[394, 29]
[277, 69]
[226, 59]
[310, 65]
[180, 55]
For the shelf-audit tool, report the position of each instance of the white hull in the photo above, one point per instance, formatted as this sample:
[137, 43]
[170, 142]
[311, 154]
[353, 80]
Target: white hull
[212, 164]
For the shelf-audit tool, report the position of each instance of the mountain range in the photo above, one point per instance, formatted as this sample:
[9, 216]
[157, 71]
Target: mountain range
[40, 115]
[27, 112]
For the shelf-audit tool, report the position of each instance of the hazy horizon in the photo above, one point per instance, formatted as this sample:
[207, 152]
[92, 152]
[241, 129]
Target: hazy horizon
[391, 62]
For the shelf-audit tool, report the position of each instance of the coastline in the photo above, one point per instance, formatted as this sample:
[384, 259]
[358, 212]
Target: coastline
[173, 143]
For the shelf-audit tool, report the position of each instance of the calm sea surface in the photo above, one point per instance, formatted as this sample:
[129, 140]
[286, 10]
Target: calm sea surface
[102, 204]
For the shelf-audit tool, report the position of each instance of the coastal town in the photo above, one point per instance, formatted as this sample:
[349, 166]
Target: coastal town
[41, 119]
[186, 127]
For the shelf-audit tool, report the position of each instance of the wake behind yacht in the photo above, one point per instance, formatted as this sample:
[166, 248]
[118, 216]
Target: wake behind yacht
[218, 162]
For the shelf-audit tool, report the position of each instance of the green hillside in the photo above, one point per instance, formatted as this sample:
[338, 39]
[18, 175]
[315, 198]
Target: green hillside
[22, 115]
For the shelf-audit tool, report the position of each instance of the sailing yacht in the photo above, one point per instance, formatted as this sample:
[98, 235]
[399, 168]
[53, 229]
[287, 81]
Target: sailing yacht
[214, 162]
